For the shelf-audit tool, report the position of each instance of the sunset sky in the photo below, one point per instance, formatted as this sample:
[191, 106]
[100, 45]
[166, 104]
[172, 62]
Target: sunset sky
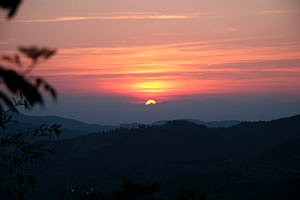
[196, 58]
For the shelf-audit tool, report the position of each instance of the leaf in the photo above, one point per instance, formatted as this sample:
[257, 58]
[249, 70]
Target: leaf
[14, 60]
[7, 101]
[17, 60]
[38, 82]
[7, 58]
[47, 87]
[11, 5]
[51, 90]
[18, 84]
[34, 53]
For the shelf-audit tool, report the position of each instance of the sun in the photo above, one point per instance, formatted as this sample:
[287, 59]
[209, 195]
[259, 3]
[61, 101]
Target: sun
[150, 102]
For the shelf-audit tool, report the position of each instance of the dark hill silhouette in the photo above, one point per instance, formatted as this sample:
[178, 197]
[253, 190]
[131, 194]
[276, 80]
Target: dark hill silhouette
[273, 175]
[70, 128]
[73, 128]
[211, 124]
[277, 123]
[177, 153]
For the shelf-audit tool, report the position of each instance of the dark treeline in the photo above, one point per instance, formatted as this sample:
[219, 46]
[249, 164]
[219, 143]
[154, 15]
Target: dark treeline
[251, 160]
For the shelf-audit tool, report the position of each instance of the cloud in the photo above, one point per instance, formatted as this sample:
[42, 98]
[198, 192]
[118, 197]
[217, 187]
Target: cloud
[231, 29]
[224, 66]
[186, 68]
[116, 16]
[246, 69]
[3, 42]
[272, 12]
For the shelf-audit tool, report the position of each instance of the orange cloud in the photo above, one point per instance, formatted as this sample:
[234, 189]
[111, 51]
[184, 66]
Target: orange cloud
[128, 16]
[164, 72]
[272, 12]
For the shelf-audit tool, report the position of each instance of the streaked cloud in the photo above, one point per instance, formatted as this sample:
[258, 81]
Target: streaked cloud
[231, 29]
[179, 69]
[116, 16]
[273, 12]
[4, 42]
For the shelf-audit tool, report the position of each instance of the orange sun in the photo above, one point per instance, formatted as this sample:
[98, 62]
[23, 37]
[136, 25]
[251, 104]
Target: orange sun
[150, 102]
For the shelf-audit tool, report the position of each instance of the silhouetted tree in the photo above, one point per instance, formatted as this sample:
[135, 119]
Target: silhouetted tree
[28, 146]
[19, 89]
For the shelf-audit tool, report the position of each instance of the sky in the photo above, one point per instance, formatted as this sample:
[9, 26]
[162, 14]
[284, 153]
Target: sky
[210, 60]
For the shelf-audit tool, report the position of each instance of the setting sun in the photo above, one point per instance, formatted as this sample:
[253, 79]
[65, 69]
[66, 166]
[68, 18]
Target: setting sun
[150, 102]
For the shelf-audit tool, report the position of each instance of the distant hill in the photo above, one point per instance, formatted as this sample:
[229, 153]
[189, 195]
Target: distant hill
[212, 124]
[275, 174]
[73, 128]
[216, 161]
[70, 128]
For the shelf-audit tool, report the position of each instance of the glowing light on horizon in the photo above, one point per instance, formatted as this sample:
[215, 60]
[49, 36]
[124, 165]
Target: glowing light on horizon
[150, 102]
[151, 87]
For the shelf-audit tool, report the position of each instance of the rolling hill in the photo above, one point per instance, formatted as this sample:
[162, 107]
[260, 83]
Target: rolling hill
[216, 161]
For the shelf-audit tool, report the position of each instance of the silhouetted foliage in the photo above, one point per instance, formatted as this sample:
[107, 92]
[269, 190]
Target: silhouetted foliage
[10, 5]
[18, 89]
[19, 149]
[17, 82]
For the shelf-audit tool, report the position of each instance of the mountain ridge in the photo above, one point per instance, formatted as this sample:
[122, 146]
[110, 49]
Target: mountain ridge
[178, 150]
